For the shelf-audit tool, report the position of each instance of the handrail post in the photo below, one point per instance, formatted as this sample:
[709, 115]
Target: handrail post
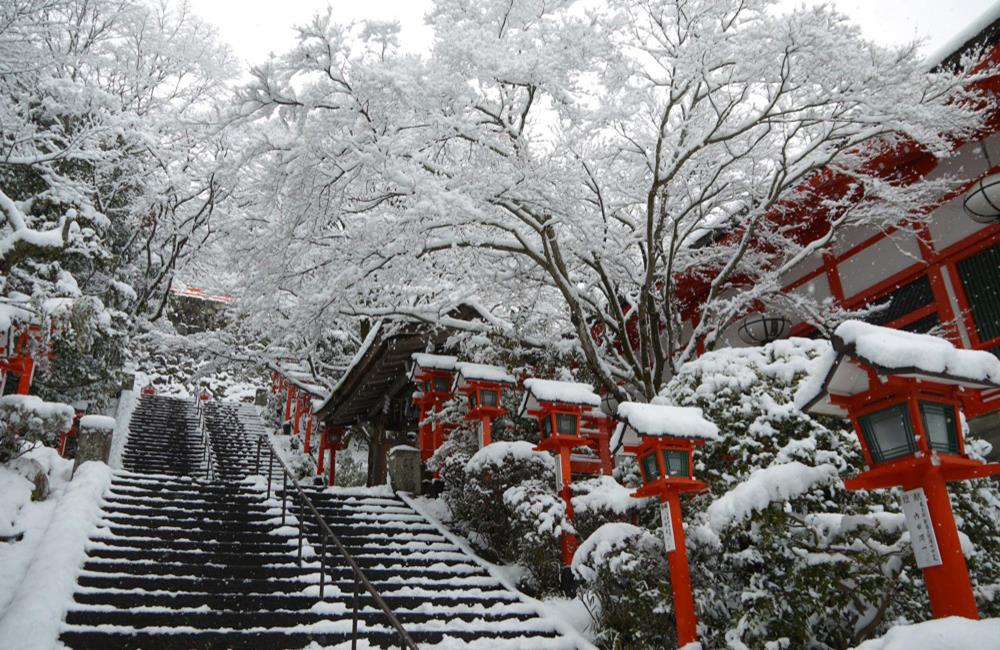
[322, 566]
[270, 472]
[326, 533]
[354, 621]
[301, 517]
[284, 495]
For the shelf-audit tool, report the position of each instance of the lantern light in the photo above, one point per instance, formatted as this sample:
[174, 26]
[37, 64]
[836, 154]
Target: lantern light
[903, 391]
[759, 328]
[982, 201]
[559, 406]
[484, 386]
[668, 436]
[434, 373]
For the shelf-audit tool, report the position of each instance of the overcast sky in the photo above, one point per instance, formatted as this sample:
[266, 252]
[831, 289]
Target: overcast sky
[255, 28]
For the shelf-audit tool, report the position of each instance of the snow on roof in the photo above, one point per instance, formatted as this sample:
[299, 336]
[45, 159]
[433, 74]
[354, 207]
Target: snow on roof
[665, 420]
[969, 32]
[366, 345]
[898, 350]
[435, 361]
[890, 351]
[183, 290]
[563, 392]
[481, 372]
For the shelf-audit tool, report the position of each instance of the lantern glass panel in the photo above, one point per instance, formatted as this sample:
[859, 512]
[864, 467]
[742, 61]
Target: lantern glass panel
[441, 384]
[650, 467]
[566, 424]
[488, 397]
[939, 425]
[472, 399]
[889, 433]
[427, 386]
[678, 462]
[546, 427]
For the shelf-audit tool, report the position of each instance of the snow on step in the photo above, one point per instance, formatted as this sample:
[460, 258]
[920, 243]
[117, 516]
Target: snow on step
[179, 561]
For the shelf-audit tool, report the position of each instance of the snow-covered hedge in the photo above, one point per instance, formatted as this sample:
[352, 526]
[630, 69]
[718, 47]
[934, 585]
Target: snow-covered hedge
[624, 581]
[26, 418]
[504, 498]
[600, 500]
[779, 549]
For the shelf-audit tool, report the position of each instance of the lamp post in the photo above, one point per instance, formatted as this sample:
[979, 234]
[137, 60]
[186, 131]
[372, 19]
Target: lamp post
[668, 436]
[903, 393]
[559, 407]
[331, 439]
[433, 375]
[483, 385]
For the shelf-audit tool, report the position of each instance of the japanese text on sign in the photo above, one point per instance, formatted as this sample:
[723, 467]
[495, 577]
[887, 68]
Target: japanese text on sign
[668, 527]
[918, 521]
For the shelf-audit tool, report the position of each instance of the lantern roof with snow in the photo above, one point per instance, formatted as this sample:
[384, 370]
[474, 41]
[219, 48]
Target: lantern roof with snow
[660, 421]
[423, 361]
[480, 372]
[537, 391]
[859, 347]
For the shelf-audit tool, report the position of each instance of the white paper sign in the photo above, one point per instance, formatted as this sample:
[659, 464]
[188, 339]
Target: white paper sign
[918, 521]
[559, 476]
[482, 435]
[668, 527]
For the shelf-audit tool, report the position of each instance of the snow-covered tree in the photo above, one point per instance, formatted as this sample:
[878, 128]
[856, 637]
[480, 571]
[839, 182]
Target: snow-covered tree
[110, 165]
[569, 165]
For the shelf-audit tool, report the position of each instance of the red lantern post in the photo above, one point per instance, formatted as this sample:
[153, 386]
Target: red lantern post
[559, 407]
[331, 439]
[667, 436]
[904, 393]
[432, 374]
[484, 386]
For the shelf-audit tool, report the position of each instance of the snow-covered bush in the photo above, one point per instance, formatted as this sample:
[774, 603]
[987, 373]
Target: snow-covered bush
[538, 520]
[779, 549]
[87, 347]
[625, 583]
[601, 500]
[476, 493]
[26, 418]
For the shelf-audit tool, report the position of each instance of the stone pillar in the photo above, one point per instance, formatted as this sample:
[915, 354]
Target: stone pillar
[405, 469]
[93, 442]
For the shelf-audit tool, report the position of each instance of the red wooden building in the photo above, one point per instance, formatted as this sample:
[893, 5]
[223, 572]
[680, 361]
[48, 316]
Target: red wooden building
[942, 276]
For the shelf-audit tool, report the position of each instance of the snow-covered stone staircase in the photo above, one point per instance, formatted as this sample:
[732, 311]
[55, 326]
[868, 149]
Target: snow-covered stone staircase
[181, 561]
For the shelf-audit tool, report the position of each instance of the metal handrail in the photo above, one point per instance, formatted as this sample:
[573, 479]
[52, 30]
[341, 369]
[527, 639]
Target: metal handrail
[305, 503]
[209, 452]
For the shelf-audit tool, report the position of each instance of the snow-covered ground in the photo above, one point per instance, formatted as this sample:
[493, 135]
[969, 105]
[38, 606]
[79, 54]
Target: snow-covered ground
[38, 573]
[952, 633]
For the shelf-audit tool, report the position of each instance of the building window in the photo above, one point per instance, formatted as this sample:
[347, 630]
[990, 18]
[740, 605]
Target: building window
[980, 276]
[902, 301]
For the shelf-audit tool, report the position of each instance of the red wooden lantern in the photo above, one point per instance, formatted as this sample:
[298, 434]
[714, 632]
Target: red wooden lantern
[559, 407]
[667, 436]
[331, 439]
[433, 375]
[483, 385]
[904, 393]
